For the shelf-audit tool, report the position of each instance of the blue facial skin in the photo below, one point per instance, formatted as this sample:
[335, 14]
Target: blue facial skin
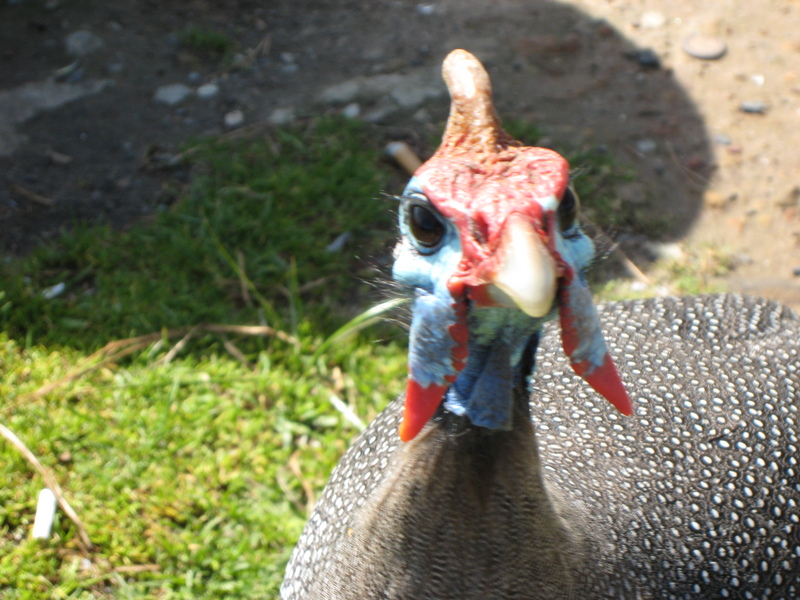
[498, 337]
[483, 390]
[578, 250]
[427, 271]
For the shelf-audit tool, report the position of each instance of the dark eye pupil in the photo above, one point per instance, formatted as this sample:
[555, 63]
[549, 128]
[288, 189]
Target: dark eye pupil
[426, 228]
[567, 209]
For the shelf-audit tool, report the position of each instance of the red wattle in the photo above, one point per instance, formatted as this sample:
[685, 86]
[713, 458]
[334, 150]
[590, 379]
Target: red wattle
[421, 404]
[605, 380]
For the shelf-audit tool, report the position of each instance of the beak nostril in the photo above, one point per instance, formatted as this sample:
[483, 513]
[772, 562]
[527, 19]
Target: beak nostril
[479, 229]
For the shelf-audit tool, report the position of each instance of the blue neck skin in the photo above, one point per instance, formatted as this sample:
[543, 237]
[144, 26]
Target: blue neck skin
[484, 390]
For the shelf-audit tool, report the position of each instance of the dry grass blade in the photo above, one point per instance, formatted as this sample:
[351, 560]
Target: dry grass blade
[246, 61]
[238, 354]
[256, 330]
[50, 482]
[633, 270]
[32, 196]
[294, 498]
[133, 346]
[308, 488]
[173, 352]
[114, 351]
[137, 568]
[248, 301]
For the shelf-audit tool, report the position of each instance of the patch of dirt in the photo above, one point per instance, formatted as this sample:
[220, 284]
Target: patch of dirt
[706, 171]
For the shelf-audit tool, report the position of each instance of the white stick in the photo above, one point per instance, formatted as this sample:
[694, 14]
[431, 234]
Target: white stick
[404, 155]
[45, 513]
[347, 412]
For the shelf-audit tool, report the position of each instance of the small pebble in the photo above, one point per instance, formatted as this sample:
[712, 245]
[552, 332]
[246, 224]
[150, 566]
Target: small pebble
[704, 47]
[234, 119]
[653, 20]
[604, 29]
[172, 94]
[57, 158]
[791, 199]
[54, 291]
[209, 90]
[422, 116]
[722, 139]
[194, 77]
[753, 106]
[648, 58]
[646, 146]
[714, 199]
[337, 244]
[83, 42]
[426, 9]
[666, 250]
[281, 116]
[352, 110]
[796, 271]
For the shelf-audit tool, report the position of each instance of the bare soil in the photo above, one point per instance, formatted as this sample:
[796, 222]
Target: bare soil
[706, 171]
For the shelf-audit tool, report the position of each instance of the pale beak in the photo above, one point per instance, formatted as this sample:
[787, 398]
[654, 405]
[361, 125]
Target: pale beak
[526, 278]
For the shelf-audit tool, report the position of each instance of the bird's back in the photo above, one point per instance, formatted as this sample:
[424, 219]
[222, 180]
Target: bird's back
[695, 496]
[698, 493]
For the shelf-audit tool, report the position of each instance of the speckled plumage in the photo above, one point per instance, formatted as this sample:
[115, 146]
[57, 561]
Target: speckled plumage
[697, 495]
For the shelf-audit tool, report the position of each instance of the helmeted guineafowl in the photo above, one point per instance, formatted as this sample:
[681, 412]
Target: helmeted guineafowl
[502, 482]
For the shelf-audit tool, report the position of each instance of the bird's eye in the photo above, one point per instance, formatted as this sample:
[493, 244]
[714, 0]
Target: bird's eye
[425, 225]
[568, 209]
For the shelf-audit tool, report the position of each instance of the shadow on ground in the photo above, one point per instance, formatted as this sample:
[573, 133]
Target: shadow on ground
[576, 79]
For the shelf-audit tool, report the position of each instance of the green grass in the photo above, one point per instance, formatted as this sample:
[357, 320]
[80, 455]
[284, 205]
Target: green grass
[207, 40]
[260, 211]
[186, 468]
[187, 472]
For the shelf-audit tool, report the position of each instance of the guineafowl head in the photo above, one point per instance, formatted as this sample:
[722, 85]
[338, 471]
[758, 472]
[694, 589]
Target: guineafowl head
[491, 245]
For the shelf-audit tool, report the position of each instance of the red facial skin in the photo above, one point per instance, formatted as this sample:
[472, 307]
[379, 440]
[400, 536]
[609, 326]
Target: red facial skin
[478, 199]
